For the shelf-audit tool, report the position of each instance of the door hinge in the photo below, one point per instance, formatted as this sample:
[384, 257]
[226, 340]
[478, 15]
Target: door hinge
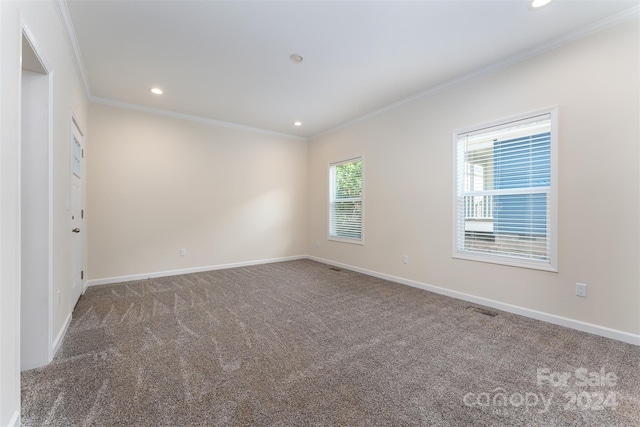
[83, 153]
[81, 274]
[82, 213]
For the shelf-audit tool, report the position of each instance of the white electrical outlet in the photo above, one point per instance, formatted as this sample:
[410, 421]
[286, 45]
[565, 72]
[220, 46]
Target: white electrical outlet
[183, 252]
[318, 244]
[405, 259]
[581, 290]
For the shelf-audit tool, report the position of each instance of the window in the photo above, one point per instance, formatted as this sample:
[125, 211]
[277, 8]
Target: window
[505, 192]
[345, 200]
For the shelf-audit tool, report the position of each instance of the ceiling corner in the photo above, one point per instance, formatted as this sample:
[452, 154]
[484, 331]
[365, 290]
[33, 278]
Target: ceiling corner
[72, 43]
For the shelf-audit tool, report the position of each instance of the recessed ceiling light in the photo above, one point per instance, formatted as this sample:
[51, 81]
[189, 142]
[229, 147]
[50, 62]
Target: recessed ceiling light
[297, 123]
[539, 3]
[296, 58]
[156, 91]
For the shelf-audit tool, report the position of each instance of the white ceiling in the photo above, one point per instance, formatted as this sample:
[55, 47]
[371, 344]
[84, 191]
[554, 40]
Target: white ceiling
[229, 61]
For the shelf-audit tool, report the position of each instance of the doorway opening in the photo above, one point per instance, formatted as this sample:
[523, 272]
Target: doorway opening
[36, 217]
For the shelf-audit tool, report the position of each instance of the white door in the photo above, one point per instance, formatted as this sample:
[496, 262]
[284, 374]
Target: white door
[77, 214]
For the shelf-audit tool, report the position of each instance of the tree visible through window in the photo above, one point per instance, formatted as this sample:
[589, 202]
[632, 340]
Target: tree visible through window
[505, 203]
[345, 200]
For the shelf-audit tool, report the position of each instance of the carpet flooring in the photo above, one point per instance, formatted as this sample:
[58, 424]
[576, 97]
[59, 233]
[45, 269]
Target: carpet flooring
[298, 343]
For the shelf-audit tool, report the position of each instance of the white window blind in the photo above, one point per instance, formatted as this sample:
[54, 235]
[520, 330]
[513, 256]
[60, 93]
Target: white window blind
[346, 200]
[505, 196]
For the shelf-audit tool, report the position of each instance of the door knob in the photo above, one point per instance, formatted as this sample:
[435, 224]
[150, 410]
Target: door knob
[76, 230]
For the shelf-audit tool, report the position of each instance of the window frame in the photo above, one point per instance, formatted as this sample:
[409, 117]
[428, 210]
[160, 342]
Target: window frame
[330, 237]
[552, 221]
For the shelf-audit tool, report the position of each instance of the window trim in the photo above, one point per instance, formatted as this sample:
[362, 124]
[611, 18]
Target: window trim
[345, 239]
[552, 264]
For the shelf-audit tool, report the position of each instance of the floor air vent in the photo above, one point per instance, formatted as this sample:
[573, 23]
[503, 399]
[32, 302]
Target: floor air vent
[484, 311]
[335, 269]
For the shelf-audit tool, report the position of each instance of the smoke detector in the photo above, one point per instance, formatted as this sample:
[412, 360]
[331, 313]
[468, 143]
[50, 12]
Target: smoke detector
[296, 58]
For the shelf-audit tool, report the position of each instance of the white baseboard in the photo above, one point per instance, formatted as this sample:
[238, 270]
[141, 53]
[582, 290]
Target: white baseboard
[120, 279]
[15, 420]
[534, 314]
[58, 341]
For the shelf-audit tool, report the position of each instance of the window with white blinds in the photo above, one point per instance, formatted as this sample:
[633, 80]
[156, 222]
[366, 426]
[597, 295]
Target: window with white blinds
[505, 196]
[346, 200]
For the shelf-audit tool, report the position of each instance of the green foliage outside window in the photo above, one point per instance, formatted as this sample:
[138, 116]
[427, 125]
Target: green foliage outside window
[346, 200]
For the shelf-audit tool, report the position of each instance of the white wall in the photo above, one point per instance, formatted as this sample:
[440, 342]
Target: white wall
[9, 221]
[408, 201]
[42, 21]
[158, 184]
[35, 302]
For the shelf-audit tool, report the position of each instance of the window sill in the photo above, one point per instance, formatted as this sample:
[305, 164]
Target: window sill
[507, 261]
[346, 240]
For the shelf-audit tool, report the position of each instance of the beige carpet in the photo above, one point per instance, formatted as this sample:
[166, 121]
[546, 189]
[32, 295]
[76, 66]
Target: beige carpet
[297, 343]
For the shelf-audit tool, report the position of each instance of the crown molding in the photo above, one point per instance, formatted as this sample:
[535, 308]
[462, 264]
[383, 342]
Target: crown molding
[72, 41]
[192, 118]
[603, 24]
[70, 33]
[570, 37]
